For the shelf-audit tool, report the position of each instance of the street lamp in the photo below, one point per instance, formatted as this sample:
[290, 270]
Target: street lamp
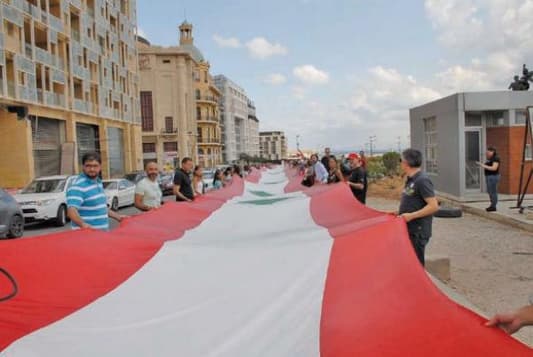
[298, 142]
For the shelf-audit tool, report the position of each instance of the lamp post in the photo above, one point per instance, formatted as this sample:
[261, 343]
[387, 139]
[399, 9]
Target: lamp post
[298, 142]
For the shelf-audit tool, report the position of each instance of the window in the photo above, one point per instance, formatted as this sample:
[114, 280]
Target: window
[430, 145]
[520, 117]
[529, 154]
[148, 147]
[166, 61]
[495, 118]
[198, 113]
[147, 114]
[473, 119]
[170, 146]
[198, 96]
[169, 124]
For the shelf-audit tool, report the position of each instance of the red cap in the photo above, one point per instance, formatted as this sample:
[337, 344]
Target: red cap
[353, 155]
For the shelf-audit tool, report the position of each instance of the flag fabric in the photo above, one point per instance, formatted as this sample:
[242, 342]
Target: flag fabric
[261, 268]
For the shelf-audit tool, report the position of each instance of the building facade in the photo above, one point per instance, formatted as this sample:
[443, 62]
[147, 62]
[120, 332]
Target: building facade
[68, 85]
[239, 124]
[273, 145]
[168, 101]
[454, 133]
[209, 136]
[252, 134]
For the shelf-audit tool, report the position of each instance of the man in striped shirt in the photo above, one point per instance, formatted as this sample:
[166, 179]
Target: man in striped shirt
[86, 199]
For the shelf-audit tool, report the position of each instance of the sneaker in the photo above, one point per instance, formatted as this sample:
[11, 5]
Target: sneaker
[490, 209]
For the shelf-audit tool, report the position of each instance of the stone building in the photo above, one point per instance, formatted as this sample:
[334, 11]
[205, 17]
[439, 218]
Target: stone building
[68, 85]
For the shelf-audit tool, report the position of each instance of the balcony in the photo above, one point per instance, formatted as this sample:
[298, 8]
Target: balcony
[169, 131]
[28, 50]
[208, 141]
[55, 23]
[54, 99]
[207, 119]
[80, 105]
[207, 98]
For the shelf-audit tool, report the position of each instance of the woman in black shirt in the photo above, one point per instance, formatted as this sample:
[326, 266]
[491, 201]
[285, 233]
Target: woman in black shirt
[492, 177]
[335, 175]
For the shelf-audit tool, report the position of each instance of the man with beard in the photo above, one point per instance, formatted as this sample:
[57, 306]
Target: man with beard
[86, 199]
[147, 192]
[182, 181]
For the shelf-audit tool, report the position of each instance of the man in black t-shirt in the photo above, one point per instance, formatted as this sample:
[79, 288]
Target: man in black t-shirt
[357, 180]
[492, 177]
[182, 181]
[325, 158]
[418, 202]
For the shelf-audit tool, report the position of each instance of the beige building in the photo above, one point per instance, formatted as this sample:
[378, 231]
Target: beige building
[68, 85]
[179, 103]
[207, 116]
[273, 145]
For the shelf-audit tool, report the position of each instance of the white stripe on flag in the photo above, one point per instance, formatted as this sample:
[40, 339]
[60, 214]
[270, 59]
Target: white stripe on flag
[248, 281]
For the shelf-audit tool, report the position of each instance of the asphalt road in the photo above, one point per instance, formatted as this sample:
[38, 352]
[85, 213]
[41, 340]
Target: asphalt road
[37, 229]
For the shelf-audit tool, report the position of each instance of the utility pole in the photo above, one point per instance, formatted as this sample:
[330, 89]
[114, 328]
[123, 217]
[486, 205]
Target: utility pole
[372, 139]
[400, 144]
[298, 142]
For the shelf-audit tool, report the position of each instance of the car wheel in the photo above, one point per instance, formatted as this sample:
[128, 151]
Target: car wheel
[114, 204]
[16, 227]
[61, 218]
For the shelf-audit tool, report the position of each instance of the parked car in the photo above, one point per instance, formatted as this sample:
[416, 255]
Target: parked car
[11, 216]
[166, 183]
[135, 176]
[44, 199]
[119, 193]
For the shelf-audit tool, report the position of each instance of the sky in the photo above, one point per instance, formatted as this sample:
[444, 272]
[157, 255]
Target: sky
[337, 72]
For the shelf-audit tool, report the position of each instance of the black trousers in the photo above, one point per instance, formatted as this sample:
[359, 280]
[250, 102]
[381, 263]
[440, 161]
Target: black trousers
[419, 242]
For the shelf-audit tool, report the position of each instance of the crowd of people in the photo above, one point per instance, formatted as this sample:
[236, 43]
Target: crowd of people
[330, 170]
[87, 202]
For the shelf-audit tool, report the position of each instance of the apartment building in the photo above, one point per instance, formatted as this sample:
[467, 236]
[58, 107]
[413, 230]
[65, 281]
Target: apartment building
[252, 136]
[207, 97]
[239, 124]
[68, 85]
[273, 145]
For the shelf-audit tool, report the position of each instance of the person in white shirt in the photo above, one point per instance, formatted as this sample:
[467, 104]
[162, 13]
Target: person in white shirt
[147, 192]
[321, 174]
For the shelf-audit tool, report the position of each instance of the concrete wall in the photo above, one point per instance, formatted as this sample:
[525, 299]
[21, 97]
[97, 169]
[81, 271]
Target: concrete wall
[449, 142]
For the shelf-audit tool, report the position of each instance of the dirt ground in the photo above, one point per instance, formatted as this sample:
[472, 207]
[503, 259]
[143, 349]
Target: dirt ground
[491, 263]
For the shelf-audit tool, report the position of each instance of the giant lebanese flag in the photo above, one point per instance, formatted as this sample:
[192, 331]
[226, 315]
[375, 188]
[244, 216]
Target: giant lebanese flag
[262, 268]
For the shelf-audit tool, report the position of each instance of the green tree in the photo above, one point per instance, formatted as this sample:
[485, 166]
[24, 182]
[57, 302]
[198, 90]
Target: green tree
[391, 161]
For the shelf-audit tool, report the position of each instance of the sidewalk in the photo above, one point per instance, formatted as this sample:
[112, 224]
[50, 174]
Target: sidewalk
[506, 214]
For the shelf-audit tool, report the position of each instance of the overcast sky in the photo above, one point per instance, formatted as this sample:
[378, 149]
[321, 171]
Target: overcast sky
[338, 71]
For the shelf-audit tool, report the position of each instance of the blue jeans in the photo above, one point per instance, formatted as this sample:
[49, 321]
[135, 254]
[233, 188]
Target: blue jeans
[492, 188]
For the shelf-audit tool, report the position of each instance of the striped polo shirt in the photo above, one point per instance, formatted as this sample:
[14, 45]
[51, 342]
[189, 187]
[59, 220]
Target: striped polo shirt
[88, 197]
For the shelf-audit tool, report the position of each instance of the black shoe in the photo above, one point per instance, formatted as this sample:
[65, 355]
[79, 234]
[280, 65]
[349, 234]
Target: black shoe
[490, 209]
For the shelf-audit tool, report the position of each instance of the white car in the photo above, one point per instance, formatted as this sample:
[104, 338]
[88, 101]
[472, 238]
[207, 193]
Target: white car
[119, 193]
[44, 199]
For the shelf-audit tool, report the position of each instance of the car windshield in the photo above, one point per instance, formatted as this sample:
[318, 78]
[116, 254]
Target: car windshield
[45, 186]
[208, 175]
[109, 185]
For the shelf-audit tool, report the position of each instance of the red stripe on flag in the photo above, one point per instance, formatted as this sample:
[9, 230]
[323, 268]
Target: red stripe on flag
[378, 301]
[60, 273]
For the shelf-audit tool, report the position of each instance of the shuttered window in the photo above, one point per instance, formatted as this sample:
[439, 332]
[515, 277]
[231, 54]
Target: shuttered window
[147, 112]
[47, 136]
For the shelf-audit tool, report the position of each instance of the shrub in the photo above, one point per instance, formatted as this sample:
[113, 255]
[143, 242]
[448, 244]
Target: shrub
[391, 161]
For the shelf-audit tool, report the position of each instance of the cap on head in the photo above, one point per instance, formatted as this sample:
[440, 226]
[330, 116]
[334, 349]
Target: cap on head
[353, 156]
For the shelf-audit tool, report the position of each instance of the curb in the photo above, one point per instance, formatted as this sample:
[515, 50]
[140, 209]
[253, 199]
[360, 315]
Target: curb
[498, 218]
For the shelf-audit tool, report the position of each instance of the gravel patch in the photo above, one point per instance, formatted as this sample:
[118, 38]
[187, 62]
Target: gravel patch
[491, 263]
